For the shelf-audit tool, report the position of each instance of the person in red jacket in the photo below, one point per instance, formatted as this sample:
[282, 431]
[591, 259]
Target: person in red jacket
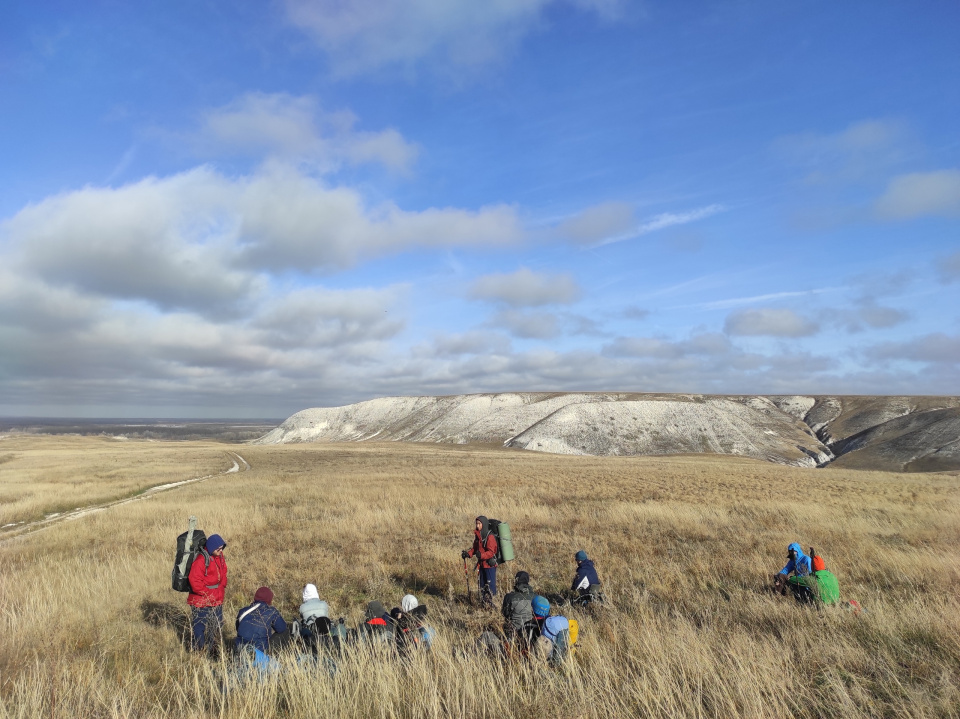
[485, 550]
[208, 584]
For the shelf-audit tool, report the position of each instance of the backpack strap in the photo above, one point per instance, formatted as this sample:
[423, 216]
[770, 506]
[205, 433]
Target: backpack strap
[244, 615]
[206, 567]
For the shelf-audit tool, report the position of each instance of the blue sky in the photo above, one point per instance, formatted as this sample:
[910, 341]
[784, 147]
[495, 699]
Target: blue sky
[245, 209]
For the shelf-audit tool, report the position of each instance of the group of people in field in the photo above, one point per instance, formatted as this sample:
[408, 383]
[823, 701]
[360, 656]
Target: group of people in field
[528, 626]
[262, 631]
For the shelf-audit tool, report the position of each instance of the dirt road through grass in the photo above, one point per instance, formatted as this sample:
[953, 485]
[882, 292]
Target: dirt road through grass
[18, 530]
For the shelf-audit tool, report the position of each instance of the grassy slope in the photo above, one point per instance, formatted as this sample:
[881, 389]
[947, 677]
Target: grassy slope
[684, 546]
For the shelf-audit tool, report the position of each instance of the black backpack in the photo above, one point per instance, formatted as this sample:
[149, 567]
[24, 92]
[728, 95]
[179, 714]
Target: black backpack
[189, 545]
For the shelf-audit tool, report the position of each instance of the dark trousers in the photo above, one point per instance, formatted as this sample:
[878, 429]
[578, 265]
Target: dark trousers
[207, 625]
[488, 583]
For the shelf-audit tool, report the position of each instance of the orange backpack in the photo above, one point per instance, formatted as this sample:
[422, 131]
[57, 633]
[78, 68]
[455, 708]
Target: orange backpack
[817, 562]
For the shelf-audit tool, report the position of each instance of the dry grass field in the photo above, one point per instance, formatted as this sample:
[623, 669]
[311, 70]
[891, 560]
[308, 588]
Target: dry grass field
[685, 545]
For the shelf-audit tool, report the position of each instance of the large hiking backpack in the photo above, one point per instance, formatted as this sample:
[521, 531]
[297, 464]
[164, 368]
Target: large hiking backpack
[563, 633]
[189, 545]
[520, 610]
[501, 530]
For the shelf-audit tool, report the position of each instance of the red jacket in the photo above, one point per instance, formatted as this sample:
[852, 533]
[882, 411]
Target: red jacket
[486, 552]
[207, 587]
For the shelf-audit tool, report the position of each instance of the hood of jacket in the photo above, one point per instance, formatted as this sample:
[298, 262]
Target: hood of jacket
[310, 592]
[409, 603]
[484, 527]
[375, 610]
[795, 546]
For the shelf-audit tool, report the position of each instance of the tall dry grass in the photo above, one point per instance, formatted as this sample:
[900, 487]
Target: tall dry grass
[89, 626]
[41, 475]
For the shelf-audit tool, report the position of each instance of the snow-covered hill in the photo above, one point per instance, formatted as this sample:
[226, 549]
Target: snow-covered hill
[803, 431]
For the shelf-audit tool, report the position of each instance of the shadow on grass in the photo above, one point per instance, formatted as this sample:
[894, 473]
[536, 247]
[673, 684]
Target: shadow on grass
[418, 585]
[166, 615]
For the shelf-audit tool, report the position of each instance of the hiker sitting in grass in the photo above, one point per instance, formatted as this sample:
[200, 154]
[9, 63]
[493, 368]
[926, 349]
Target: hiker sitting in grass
[517, 606]
[315, 617]
[377, 625]
[259, 624]
[485, 550]
[410, 625]
[534, 628]
[818, 585]
[586, 583]
[798, 566]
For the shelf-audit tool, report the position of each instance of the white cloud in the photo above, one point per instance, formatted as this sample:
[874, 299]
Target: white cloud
[527, 325]
[524, 288]
[364, 35]
[599, 222]
[319, 317]
[934, 348]
[769, 322]
[199, 240]
[711, 344]
[296, 129]
[163, 241]
[475, 342]
[921, 193]
[857, 152]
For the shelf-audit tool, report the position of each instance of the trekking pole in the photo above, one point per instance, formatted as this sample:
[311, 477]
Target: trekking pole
[467, 577]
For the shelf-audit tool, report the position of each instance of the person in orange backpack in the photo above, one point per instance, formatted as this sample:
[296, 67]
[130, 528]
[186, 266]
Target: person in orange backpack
[208, 584]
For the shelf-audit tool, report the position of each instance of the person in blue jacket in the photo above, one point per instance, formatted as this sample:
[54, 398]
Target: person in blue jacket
[799, 565]
[586, 583]
[258, 623]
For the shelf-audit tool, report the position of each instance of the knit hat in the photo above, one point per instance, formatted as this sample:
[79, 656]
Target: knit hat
[264, 595]
[580, 556]
[541, 607]
[521, 578]
[409, 603]
[374, 610]
[215, 542]
[310, 592]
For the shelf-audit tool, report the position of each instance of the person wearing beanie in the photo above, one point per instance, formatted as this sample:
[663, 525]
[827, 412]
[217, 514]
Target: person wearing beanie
[517, 609]
[485, 550]
[208, 584]
[259, 623]
[586, 583]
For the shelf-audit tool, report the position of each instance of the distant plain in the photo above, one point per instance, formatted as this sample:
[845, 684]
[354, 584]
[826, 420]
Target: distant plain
[685, 546]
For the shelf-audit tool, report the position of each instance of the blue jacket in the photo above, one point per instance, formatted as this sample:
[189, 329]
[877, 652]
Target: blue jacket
[256, 623]
[801, 566]
[586, 575]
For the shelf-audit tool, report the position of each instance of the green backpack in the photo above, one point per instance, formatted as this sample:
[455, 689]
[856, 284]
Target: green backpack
[827, 588]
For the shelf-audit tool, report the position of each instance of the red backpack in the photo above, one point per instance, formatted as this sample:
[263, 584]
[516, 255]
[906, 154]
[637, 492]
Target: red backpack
[816, 561]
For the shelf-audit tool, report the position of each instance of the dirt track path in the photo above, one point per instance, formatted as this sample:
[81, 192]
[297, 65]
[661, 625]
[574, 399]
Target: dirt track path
[21, 530]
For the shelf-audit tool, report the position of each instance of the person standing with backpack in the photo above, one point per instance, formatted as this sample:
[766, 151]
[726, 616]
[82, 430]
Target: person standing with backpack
[208, 584]
[485, 550]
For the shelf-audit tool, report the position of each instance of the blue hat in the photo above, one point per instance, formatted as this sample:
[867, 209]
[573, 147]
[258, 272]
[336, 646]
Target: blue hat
[541, 607]
[215, 542]
[580, 556]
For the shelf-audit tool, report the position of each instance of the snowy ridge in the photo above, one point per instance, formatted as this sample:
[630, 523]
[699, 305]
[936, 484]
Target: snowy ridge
[573, 423]
[891, 433]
